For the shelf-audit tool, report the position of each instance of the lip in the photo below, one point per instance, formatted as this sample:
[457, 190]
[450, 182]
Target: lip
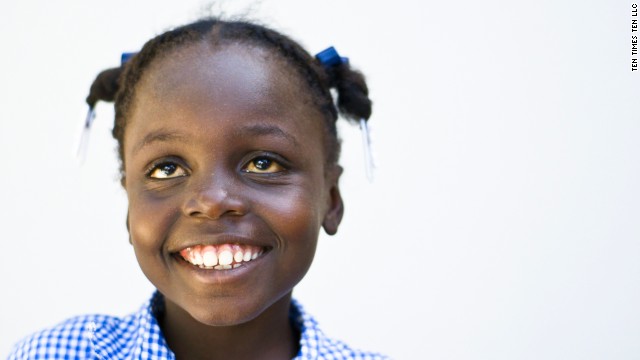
[211, 276]
[219, 239]
[217, 277]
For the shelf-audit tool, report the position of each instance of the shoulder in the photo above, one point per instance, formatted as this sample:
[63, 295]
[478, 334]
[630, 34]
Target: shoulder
[71, 339]
[99, 336]
[314, 344]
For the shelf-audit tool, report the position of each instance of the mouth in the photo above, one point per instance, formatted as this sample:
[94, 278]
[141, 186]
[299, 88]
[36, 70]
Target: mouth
[221, 257]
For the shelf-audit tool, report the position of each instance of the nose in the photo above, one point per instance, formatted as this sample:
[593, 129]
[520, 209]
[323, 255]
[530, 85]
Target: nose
[215, 196]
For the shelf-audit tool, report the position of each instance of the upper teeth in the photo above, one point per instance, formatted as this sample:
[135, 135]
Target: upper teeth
[220, 257]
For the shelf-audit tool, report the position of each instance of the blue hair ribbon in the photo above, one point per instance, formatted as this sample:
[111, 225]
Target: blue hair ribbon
[329, 57]
[126, 56]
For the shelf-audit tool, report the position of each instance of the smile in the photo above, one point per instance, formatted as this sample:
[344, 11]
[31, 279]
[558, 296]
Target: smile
[221, 257]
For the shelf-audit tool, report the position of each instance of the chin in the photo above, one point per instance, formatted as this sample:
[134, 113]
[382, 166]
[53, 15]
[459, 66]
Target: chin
[227, 317]
[232, 311]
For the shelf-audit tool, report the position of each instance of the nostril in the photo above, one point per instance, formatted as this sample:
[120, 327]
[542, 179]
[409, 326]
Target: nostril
[195, 213]
[217, 215]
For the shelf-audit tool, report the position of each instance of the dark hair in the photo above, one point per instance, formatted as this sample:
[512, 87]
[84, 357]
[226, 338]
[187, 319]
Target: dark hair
[119, 84]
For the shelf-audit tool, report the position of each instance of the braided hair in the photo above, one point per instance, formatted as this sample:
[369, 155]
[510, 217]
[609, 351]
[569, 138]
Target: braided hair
[118, 85]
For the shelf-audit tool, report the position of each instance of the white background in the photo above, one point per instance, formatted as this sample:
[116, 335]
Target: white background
[503, 221]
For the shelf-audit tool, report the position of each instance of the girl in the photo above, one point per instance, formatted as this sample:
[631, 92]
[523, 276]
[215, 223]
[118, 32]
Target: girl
[227, 139]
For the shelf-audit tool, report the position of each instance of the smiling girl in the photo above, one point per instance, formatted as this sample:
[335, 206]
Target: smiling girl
[227, 138]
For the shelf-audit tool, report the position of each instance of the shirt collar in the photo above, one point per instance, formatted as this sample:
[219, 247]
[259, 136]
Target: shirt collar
[144, 338]
[138, 335]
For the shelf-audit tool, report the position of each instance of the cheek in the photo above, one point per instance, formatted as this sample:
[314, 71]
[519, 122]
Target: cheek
[149, 221]
[296, 218]
[297, 208]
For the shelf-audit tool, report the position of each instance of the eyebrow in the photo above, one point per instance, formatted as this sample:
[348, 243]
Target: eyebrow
[161, 135]
[267, 130]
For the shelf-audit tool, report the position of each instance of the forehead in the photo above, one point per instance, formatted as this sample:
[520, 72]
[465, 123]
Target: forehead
[225, 73]
[227, 83]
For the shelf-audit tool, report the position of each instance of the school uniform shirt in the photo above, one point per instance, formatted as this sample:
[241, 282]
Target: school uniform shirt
[138, 336]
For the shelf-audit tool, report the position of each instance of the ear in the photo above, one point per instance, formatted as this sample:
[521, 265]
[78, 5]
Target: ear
[335, 210]
[128, 230]
[123, 181]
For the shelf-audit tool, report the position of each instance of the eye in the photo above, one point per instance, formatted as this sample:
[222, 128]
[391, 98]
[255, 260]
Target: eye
[166, 170]
[263, 165]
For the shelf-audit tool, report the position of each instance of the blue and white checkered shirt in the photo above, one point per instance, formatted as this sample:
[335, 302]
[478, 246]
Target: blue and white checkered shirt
[138, 336]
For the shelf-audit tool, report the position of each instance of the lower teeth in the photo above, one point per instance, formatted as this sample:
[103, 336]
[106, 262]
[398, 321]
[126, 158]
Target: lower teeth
[220, 267]
[225, 267]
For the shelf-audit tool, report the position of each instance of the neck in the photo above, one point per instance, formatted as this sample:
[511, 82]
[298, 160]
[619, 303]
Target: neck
[269, 336]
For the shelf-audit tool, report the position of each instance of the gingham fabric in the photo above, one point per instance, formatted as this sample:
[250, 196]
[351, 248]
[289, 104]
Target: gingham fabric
[138, 336]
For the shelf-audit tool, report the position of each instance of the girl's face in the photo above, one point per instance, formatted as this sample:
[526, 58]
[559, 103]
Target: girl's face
[224, 161]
